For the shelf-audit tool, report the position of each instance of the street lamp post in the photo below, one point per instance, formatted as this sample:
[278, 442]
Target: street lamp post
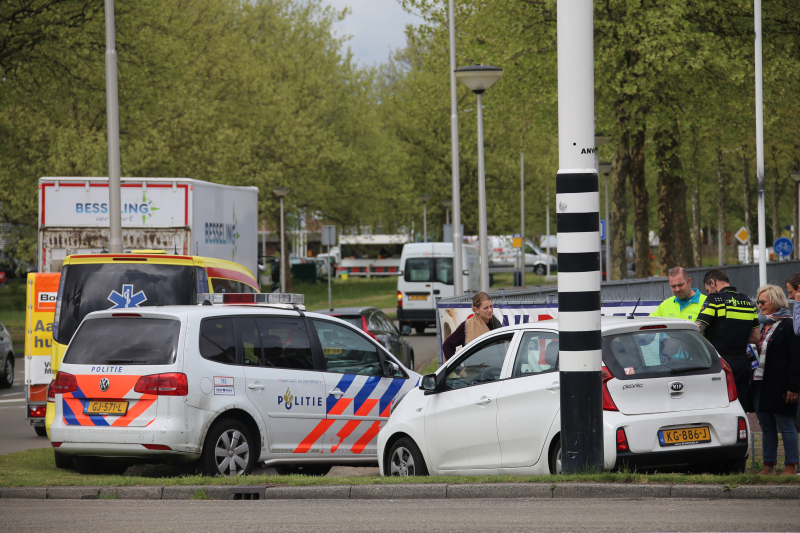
[478, 78]
[424, 199]
[280, 192]
[458, 266]
[605, 169]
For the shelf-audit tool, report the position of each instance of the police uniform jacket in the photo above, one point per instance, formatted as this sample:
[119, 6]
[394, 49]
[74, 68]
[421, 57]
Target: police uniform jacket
[781, 370]
[730, 317]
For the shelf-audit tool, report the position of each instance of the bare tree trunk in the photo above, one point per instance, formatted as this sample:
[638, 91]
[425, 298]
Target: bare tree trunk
[665, 157]
[776, 229]
[683, 237]
[641, 224]
[746, 191]
[620, 170]
[697, 250]
[721, 256]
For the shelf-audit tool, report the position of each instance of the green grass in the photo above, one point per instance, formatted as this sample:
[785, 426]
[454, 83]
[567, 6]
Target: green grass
[37, 468]
[430, 368]
[380, 292]
[505, 280]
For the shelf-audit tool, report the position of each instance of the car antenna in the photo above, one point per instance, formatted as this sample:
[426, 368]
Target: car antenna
[630, 316]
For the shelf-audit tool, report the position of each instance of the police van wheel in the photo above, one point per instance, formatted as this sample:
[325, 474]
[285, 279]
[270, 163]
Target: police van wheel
[64, 461]
[40, 430]
[303, 470]
[227, 450]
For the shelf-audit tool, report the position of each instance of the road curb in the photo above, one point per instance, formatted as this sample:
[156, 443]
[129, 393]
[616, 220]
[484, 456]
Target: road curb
[418, 491]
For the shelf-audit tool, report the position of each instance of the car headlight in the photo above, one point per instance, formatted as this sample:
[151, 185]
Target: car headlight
[396, 402]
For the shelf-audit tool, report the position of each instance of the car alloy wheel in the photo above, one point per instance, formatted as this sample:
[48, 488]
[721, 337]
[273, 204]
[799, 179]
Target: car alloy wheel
[402, 463]
[232, 453]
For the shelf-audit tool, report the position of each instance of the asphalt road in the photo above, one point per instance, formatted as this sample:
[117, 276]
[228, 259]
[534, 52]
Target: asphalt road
[485, 515]
[16, 433]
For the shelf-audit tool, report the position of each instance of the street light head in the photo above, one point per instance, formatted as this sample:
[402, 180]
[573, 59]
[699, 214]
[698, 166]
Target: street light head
[280, 192]
[478, 78]
[424, 198]
[447, 203]
[796, 176]
[605, 168]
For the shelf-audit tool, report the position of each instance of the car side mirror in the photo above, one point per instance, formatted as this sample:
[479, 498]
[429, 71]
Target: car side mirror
[466, 272]
[399, 272]
[405, 329]
[428, 383]
[391, 368]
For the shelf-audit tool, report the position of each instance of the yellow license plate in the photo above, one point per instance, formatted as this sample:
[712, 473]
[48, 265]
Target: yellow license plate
[96, 407]
[679, 437]
[331, 351]
[417, 296]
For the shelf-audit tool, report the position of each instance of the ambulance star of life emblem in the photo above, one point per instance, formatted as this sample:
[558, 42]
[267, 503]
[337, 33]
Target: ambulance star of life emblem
[104, 384]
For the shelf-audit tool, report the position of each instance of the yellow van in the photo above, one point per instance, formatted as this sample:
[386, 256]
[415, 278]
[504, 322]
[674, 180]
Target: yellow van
[94, 282]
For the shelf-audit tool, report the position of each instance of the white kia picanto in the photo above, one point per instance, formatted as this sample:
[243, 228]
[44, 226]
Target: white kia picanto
[669, 402]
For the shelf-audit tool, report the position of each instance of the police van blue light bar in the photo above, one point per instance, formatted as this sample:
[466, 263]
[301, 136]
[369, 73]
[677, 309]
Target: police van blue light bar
[229, 298]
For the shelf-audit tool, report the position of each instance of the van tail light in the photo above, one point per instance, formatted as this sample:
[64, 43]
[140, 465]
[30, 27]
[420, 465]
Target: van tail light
[399, 298]
[742, 430]
[51, 393]
[64, 383]
[729, 379]
[608, 403]
[622, 441]
[172, 384]
[365, 328]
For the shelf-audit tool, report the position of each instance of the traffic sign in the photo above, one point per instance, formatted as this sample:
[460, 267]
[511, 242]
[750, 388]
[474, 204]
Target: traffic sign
[516, 241]
[602, 229]
[783, 247]
[742, 235]
[329, 235]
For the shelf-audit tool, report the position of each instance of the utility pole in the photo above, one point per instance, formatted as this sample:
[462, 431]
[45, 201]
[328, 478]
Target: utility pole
[762, 225]
[112, 117]
[458, 266]
[578, 227]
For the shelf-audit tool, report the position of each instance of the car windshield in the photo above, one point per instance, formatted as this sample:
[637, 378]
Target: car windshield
[125, 341]
[658, 353]
[99, 286]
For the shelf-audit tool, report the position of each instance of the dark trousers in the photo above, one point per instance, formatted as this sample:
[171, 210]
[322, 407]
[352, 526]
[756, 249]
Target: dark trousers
[741, 377]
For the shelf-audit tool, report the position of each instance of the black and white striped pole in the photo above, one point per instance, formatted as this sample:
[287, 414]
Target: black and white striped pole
[578, 227]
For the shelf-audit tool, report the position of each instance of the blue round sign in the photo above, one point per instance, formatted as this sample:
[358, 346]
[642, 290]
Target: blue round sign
[783, 246]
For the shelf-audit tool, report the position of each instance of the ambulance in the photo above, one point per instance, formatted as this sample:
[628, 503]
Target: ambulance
[141, 279]
[237, 380]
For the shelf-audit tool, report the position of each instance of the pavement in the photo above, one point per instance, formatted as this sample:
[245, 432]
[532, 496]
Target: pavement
[410, 491]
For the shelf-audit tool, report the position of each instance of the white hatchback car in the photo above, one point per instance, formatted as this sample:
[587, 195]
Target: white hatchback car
[224, 385]
[669, 402]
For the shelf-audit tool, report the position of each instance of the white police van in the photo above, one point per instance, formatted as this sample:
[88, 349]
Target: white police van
[237, 380]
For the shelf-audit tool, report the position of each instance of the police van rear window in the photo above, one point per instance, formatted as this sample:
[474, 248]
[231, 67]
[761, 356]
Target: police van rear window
[658, 353]
[125, 341]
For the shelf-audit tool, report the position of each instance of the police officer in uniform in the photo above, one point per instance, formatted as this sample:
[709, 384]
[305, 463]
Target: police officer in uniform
[686, 303]
[729, 321]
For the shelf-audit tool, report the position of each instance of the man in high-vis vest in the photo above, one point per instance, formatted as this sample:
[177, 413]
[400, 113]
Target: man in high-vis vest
[686, 302]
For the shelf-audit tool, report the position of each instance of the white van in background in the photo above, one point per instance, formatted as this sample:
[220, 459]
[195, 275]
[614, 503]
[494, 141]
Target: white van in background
[503, 254]
[426, 271]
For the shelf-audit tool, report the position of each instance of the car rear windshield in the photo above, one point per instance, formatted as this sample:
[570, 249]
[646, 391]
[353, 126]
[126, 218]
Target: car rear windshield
[125, 341]
[99, 286]
[659, 353]
[353, 320]
[427, 269]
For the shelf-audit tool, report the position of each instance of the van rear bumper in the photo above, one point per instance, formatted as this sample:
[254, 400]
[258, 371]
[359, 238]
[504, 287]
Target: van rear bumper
[417, 316]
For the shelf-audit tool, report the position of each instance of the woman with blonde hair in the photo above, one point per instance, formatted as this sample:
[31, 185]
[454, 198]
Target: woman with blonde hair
[777, 378]
[482, 321]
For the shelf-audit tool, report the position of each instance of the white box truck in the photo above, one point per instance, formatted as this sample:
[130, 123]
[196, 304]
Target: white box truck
[179, 215]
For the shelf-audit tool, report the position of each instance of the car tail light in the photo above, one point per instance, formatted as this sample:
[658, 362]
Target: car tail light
[55, 444]
[51, 393]
[608, 403]
[742, 430]
[156, 446]
[172, 384]
[64, 383]
[729, 378]
[365, 328]
[37, 411]
[660, 326]
[399, 298]
[622, 441]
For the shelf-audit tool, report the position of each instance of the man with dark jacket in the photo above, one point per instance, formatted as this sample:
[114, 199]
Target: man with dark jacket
[729, 321]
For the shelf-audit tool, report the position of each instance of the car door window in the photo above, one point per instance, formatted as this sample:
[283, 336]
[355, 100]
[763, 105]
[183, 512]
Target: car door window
[537, 354]
[284, 343]
[374, 323]
[347, 352]
[251, 343]
[482, 365]
[218, 340]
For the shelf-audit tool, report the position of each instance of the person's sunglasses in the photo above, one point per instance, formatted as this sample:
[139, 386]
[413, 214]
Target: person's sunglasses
[762, 302]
